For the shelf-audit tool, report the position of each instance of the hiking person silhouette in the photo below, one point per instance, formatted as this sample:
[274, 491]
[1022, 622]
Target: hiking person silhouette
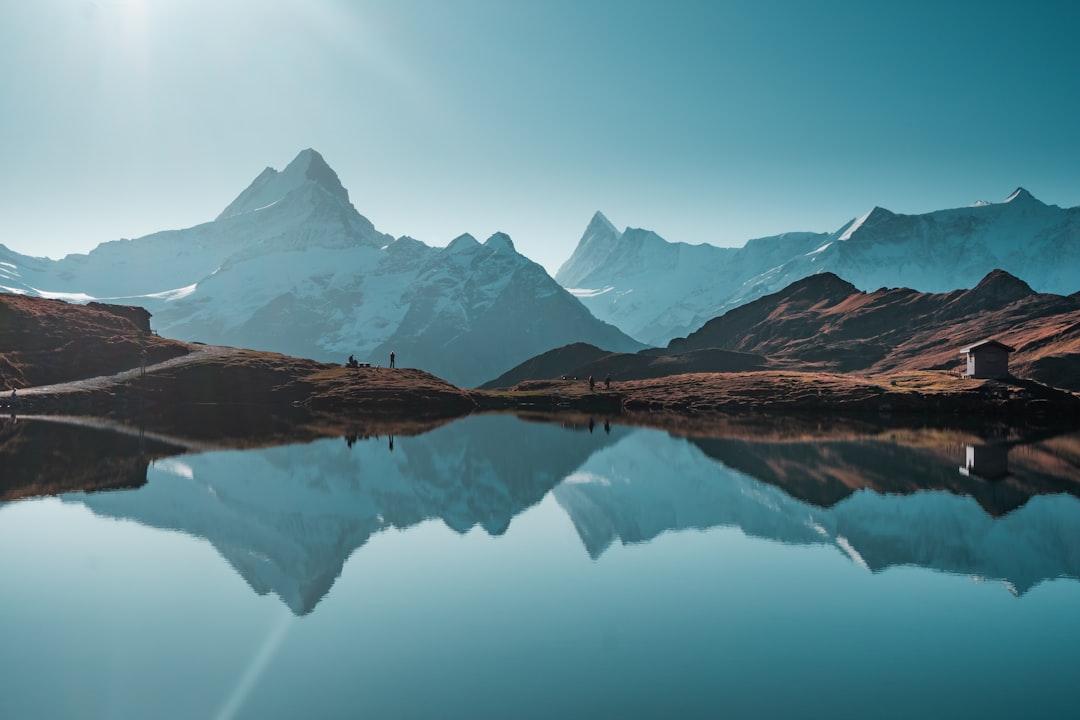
[391, 358]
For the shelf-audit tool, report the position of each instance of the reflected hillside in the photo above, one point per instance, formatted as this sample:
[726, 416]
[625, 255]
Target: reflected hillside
[41, 457]
[287, 518]
[882, 503]
[999, 474]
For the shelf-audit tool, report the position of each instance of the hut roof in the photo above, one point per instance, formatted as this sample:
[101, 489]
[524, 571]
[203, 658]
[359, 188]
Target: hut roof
[987, 343]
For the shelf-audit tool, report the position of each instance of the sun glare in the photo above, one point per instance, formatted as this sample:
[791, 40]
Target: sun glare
[133, 18]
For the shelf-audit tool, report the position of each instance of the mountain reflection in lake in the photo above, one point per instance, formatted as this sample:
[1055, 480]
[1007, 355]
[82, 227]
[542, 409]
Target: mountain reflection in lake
[500, 568]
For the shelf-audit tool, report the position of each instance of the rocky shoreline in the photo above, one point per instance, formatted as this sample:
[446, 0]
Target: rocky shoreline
[703, 394]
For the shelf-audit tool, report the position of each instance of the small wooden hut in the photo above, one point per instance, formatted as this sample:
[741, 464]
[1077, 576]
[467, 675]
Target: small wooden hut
[987, 359]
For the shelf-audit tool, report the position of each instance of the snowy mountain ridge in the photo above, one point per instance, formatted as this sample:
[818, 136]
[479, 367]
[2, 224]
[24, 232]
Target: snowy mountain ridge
[655, 290]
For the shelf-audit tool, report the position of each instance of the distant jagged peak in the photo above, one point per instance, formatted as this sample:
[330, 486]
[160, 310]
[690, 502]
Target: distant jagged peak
[314, 168]
[596, 245]
[1020, 195]
[463, 243]
[600, 222]
[271, 186]
[599, 232]
[499, 241]
[875, 216]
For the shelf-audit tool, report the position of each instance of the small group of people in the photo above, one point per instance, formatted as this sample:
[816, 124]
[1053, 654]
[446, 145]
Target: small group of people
[592, 383]
[354, 363]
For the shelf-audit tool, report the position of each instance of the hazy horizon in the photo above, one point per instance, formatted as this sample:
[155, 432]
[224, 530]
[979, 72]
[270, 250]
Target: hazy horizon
[703, 122]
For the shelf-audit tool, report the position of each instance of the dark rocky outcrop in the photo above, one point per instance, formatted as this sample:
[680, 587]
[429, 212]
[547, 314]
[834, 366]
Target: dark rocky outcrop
[139, 317]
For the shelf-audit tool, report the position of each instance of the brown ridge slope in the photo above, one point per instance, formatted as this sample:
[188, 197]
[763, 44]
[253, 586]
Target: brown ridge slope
[85, 359]
[823, 323]
[38, 460]
[581, 361]
[51, 341]
[252, 377]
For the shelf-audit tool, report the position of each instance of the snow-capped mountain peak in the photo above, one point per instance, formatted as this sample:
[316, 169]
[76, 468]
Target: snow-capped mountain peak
[463, 243]
[869, 220]
[1021, 195]
[598, 243]
[600, 221]
[499, 241]
[271, 186]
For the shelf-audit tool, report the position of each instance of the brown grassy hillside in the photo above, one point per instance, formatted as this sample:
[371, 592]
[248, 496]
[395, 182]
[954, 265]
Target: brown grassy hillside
[821, 323]
[50, 341]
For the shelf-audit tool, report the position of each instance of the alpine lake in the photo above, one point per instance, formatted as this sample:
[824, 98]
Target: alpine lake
[505, 567]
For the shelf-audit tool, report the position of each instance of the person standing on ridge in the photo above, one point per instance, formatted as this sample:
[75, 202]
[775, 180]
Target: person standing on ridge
[391, 358]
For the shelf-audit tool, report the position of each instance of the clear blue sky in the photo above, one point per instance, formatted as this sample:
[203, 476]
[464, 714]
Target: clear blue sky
[704, 121]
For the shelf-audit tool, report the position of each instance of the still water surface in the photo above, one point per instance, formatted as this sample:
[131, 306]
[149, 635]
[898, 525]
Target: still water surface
[496, 568]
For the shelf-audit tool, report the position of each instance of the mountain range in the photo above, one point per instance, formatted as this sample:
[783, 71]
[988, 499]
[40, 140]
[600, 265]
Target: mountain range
[291, 266]
[656, 291]
[822, 323]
